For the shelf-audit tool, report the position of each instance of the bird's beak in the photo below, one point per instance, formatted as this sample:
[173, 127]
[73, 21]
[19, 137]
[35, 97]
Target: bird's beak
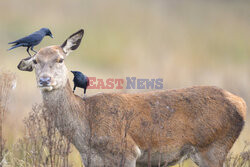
[51, 36]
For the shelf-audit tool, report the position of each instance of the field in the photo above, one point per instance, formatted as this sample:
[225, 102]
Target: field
[186, 43]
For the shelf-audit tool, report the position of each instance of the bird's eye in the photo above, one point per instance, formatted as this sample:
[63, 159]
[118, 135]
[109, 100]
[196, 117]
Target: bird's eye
[60, 60]
[34, 61]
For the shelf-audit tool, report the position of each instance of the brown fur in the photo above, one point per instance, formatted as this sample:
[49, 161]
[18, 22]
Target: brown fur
[201, 122]
[204, 120]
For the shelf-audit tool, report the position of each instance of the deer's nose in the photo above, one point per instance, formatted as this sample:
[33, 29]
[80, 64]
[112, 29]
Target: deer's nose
[44, 81]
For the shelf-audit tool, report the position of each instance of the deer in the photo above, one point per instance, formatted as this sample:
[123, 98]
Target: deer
[162, 127]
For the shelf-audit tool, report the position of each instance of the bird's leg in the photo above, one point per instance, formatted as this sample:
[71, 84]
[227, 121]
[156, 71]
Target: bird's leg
[84, 96]
[74, 88]
[28, 51]
[33, 49]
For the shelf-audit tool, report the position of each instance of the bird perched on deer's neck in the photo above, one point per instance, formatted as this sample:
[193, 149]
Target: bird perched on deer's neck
[31, 40]
[80, 80]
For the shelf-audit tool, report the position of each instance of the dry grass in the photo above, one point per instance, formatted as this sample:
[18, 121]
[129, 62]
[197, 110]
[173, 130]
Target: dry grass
[239, 160]
[42, 145]
[7, 82]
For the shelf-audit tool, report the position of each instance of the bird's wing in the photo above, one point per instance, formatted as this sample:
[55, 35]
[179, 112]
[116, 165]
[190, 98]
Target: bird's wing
[34, 39]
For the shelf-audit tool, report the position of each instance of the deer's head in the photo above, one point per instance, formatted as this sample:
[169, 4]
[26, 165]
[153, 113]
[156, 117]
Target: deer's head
[51, 72]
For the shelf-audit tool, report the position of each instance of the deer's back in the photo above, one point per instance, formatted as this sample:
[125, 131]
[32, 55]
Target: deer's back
[196, 115]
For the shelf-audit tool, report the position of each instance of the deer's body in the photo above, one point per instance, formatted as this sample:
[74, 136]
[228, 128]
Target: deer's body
[164, 127]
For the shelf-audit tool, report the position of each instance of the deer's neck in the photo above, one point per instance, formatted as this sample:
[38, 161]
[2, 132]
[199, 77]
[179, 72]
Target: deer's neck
[61, 100]
[68, 112]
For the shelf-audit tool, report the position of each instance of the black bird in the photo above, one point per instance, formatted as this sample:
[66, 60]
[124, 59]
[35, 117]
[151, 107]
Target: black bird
[31, 40]
[80, 80]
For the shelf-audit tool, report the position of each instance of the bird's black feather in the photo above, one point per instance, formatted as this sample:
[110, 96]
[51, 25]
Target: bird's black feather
[80, 80]
[31, 40]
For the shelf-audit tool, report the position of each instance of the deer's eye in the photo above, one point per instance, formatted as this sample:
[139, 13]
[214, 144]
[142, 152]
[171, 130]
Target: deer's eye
[60, 60]
[34, 61]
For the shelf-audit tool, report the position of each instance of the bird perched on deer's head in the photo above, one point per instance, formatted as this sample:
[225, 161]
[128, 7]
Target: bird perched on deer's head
[31, 40]
[80, 80]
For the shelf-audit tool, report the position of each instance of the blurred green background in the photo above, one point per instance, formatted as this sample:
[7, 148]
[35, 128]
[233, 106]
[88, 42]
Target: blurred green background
[186, 43]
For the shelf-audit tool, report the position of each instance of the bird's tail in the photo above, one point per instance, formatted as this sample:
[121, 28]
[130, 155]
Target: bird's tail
[15, 46]
[12, 42]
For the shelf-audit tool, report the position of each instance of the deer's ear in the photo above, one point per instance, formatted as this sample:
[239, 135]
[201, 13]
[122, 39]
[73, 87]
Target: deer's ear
[72, 42]
[26, 64]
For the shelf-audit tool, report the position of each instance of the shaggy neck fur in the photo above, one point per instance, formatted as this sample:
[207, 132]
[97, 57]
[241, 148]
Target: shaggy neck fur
[67, 111]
